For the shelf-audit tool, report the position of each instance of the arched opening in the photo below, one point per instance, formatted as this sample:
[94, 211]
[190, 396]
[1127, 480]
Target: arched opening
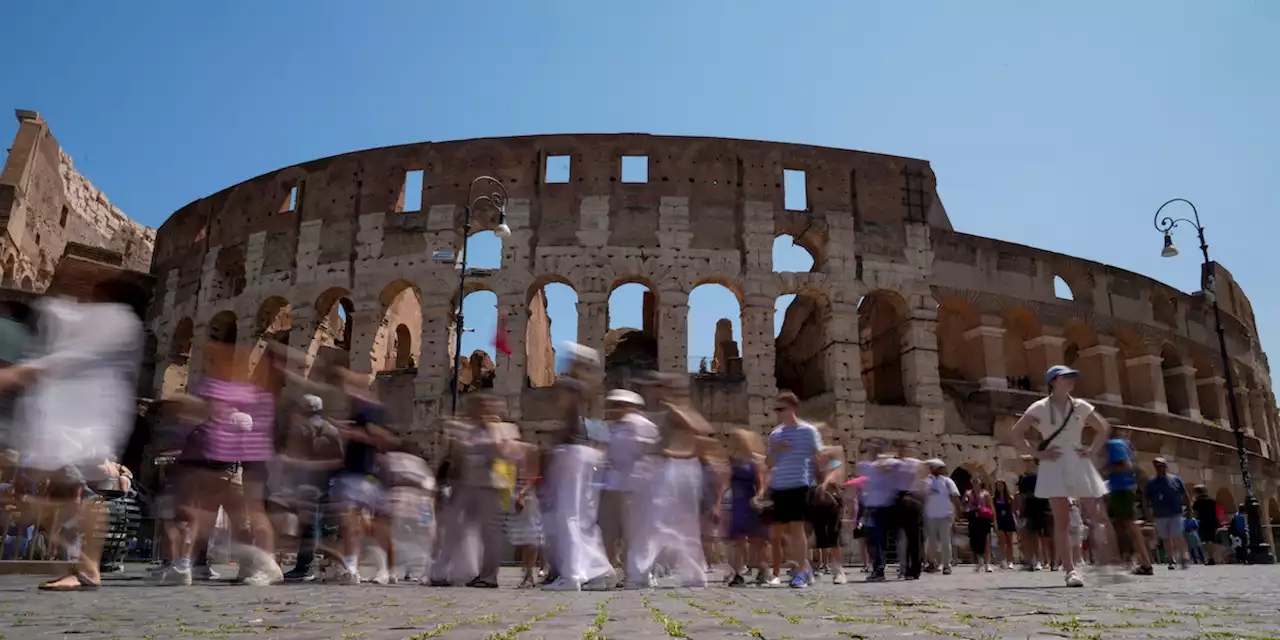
[177, 361]
[27, 285]
[1176, 393]
[802, 344]
[1062, 290]
[484, 250]
[480, 317]
[631, 345]
[882, 318]
[963, 479]
[1206, 387]
[395, 345]
[715, 331]
[274, 322]
[222, 327]
[789, 256]
[331, 343]
[1227, 504]
[959, 358]
[1020, 326]
[553, 319]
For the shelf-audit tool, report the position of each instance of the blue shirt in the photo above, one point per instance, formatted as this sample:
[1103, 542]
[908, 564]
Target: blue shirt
[879, 488]
[1166, 494]
[793, 465]
[1120, 478]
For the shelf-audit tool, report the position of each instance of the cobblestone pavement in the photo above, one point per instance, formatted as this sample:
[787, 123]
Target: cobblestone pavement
[1204, 602]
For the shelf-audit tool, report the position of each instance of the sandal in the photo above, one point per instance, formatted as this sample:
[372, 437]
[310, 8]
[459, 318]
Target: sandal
[525, 584]
[82, 583]
[481, 584]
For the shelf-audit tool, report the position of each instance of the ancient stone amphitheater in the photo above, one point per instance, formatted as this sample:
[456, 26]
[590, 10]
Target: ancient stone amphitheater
[904, 328]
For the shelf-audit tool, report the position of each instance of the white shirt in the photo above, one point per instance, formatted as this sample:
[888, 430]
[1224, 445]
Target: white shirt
[631, 440]
[940, 491]
[80, 408]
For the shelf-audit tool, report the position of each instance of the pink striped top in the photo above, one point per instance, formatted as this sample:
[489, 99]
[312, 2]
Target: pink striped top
[228, 436]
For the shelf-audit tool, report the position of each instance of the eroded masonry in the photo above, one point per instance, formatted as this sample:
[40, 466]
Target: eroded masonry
[903, 328]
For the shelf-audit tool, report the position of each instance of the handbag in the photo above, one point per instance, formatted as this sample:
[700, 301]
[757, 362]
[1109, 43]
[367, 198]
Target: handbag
[1044, 444]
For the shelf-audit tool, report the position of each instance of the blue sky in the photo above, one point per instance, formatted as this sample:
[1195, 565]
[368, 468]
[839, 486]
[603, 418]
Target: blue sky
[1058, 125]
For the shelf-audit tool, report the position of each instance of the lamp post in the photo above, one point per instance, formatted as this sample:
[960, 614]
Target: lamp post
[1259, 550]
[493, 194]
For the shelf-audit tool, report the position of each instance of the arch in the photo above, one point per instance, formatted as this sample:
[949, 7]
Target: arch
[1080, 337]
[273, 324]
[480, 323]
[1177, 394]
[222, 327]
[964, 475]
[631, 343]
[803, 344]
[27, 285]
[400, 305]
[552, 320]
[714, 329]
[331, 341]
[1226, 502]
[958, 357]
[1021, 325]
[176, 365]
[882, 318]
[1062, 290]
[790, 255]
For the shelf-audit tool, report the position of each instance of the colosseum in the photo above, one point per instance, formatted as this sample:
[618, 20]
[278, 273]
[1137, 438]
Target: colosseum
[904, 328]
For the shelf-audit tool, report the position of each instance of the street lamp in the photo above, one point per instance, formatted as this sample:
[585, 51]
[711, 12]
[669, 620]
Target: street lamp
[493, 194]
[1260, 551]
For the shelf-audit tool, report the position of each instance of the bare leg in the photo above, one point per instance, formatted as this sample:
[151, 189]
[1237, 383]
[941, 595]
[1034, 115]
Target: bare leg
[1062, 533]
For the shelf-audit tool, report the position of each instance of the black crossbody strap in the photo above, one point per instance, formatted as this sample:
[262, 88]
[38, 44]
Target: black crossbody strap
[1044, 444]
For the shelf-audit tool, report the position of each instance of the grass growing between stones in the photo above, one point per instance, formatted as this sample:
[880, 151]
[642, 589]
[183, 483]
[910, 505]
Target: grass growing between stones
[516, 630]
[448, 626]
[673, 627]
[597, 623]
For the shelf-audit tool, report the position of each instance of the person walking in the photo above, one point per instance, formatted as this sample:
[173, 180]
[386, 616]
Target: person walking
[630, 464]
[942, 499]
[1122, 502]
[1205, 510]
[1066, 467]
[1169, 499]
[981, 517]
[792, 454]
[1006, 523]
[748, 535]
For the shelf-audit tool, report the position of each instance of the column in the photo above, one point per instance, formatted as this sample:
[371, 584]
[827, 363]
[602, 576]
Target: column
[844, 373]
[1100, 362]
[195, 367]
[1212, 392]
[1180, 389]
[510, 373]
[247, 339]
[673, 332]
[431, 399]
[593, 320]
[987, 344]
[366, 320]
[758, 359]
[1258, 414]
[1242, 407]
[1044, 351]
[1146, 380]
[920, 379]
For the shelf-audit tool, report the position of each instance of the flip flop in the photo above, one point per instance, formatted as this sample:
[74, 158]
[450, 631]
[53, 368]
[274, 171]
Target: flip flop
[82, 584]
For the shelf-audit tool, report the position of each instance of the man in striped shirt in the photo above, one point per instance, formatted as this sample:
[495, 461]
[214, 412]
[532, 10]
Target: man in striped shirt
[792, 457]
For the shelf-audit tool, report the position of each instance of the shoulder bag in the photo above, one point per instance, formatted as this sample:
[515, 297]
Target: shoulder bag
[1044, 444]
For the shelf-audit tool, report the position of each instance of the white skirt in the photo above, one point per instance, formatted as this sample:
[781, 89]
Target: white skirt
[1070, 476]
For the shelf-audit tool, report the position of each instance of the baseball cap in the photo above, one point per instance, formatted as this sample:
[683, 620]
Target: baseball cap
[1160, 461]
[622, 396]
[1058, 370]
[934, 463]
[311, 403]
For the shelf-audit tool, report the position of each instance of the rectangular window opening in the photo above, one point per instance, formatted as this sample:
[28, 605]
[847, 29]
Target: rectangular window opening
[635, 169]
[291, 202]
[795, 197]
[557, 170]
[411, 197]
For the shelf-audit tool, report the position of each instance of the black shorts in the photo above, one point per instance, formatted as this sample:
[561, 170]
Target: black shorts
[790, 505]
[1040, 524]
[825, 519]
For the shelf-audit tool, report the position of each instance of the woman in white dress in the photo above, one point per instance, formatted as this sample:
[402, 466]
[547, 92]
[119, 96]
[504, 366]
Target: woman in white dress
[1066, 461]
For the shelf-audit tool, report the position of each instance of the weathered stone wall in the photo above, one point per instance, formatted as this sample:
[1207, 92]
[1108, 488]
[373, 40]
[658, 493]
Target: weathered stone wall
[45, 204]
[903, 328]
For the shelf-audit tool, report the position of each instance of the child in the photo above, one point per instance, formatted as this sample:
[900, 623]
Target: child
[1191, 529]
[747, 534]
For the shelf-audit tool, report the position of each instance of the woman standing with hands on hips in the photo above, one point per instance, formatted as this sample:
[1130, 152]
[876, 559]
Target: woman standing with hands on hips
[1066, 461]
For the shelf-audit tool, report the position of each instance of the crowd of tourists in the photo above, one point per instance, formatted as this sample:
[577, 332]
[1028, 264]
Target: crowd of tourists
[310, 468]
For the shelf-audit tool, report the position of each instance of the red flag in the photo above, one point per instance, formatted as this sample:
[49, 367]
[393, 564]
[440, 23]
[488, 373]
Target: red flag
[500, 337]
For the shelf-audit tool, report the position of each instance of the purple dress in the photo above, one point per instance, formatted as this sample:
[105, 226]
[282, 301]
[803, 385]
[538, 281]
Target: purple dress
[744, 522]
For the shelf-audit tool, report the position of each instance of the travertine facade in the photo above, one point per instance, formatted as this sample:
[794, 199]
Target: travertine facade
[46, 204]
[904, 328]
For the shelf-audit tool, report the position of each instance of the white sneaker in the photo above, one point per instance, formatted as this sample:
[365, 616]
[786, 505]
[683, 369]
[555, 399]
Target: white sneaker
[172, 576]
[203, 572]
[563, 583]
[1038, 566]
[840, 577]
[1074, 579]
[990, 569]
[603, 582]
[774, 582]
